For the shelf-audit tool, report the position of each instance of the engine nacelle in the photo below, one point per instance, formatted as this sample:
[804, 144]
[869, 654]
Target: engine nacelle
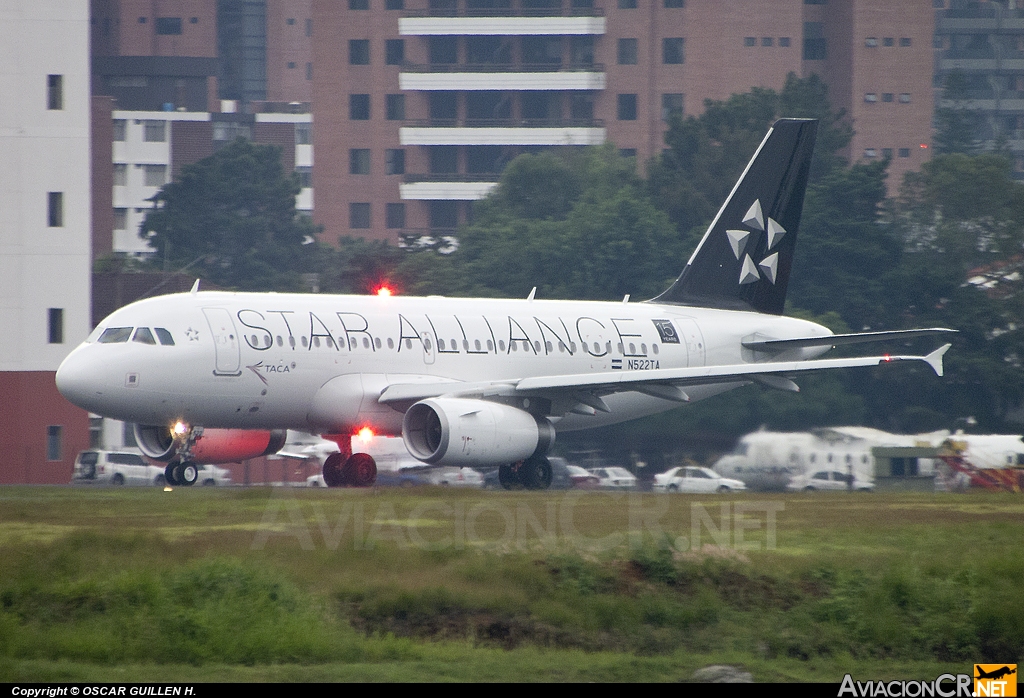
[212, 446]
[466, 432]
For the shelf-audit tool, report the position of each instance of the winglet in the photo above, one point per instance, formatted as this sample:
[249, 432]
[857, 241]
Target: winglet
[195, 288]
[935, 359]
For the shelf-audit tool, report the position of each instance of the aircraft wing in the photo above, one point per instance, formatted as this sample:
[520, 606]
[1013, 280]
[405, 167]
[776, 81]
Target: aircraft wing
[834, 340]
[665, 383]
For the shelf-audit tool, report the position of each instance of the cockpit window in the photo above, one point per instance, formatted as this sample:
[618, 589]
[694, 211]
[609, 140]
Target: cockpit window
[143, 336]
[165, 337]
[115, 335]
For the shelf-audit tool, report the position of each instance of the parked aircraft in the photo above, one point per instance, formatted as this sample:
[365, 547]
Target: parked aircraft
[467, 381]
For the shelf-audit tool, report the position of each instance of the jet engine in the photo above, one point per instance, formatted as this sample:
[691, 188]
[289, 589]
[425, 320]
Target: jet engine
[212, 446]
[467, 432]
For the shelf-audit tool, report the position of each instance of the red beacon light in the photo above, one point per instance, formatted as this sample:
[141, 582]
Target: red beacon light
[384, 292]
[365, 434]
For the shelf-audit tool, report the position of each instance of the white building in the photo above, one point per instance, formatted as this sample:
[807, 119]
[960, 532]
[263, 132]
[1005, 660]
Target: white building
[44, 231]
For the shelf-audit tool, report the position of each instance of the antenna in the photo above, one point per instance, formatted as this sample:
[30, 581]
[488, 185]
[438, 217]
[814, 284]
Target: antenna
[532, 294]
[195, 288]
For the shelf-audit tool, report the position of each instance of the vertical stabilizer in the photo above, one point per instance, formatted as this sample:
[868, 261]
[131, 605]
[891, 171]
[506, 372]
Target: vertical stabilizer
[744, 260]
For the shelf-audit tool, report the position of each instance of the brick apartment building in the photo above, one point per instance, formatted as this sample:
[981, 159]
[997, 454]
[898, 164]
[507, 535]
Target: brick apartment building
[420, 103]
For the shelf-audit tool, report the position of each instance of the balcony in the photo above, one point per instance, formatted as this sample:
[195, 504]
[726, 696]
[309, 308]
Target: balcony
[450, 186]
[504, 21]
[550, 132]
[502, 76]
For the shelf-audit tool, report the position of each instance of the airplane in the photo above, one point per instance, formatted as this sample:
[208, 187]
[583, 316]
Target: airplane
[468, 381]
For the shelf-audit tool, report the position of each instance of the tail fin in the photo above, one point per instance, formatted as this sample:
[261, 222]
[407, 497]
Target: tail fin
[744, 260]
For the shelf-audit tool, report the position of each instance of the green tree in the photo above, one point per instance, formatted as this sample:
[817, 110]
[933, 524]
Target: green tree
[230, 218]
[956, 124]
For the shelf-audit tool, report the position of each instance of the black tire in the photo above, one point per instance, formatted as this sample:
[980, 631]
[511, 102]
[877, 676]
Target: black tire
[117, 480]
[188, 474]
[360, 470]
[169, 475]
[334, 472]
[536, 473]
[508, 476]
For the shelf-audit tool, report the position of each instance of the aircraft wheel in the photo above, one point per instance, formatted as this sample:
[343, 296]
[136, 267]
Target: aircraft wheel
[188, 473]
[509, 476]
[535, 473]
[334, 472]
[361, 470]
[170, 477]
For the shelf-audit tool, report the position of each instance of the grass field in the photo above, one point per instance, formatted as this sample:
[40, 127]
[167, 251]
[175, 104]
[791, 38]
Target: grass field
[239, 584]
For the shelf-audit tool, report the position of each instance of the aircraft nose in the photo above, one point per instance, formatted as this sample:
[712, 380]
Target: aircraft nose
[73, 380]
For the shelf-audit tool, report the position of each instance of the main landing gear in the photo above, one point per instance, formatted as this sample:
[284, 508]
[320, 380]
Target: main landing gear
[180, 473]
[356, 470]
[534, 473]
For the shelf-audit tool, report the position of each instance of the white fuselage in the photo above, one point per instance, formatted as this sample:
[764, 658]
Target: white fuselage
[258, 360]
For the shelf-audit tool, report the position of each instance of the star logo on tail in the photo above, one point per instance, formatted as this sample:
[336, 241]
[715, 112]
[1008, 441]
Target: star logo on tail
[739, 240]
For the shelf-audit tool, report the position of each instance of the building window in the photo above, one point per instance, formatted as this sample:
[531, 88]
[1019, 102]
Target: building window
[627, 4]
[443, 50]
[394, 161]
[871, 42]
[359, 52]
[120, 174]
[290, 21]
[815, 45]
[309, 71]
[154, 131]
[156, 175]
[887, 96]
[627, 50]
[870, 153]
[54, 443]
[304, 134]
[870, 97]
[54, 92]
[142, 20]
[193, 20]
[291, 65]
[55, 325]
[888, 41]
[120, 130]
[672, 51]
[358, 4]
[305, 173]
[627, 107]
[359, 107]
[359, 215]
[905, 97]
[395, 107]
[905, 41]
[359, 161]
[767, 41]
[394, 4]
[672, 4]
[671, 105]
[627, 152]
[168, 26]
[750, 41]
[120, 219]
[904, 152]
[55, 209]
[887, 153]
[394, 51]
[395, 216]
[784, 41]
[444, 159]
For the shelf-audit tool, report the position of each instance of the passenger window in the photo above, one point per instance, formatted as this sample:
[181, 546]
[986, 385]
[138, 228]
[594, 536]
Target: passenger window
[164, 336]
[115, 335]
[143, 336]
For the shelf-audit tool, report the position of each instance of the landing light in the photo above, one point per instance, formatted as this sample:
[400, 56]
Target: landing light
[179, 428]
[365, 434]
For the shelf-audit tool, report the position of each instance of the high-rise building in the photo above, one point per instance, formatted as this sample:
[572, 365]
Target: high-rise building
[44, 232]
[420, 103]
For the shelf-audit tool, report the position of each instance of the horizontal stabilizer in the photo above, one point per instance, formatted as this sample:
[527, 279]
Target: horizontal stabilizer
[835, 340]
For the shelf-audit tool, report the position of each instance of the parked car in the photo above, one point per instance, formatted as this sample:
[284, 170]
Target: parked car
[560, 479]
[210, 475]
[690, 478]
[115, 468]
[828, 480]
[614, 478]
[455, 477]
[582, 479]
